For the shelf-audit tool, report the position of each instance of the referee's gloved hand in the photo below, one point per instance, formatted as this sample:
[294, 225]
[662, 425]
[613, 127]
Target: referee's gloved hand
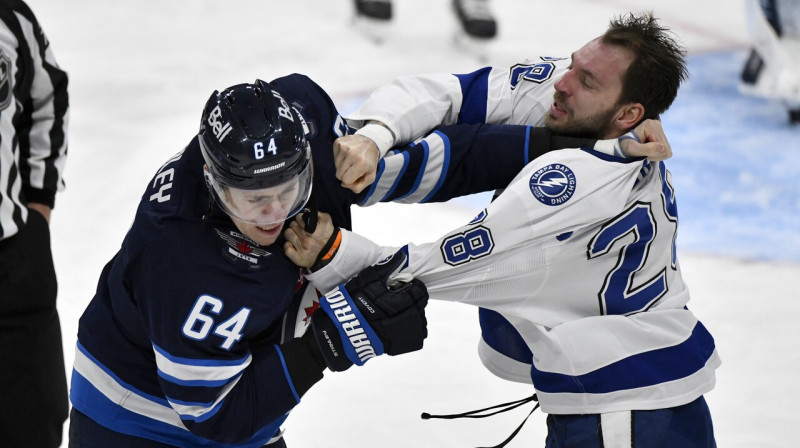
[370, 315]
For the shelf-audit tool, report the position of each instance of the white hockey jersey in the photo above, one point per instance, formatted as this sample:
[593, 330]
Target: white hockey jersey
[411, 106]
[578, 254]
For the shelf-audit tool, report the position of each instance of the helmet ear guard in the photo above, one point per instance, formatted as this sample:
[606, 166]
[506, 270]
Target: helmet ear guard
[251, 139]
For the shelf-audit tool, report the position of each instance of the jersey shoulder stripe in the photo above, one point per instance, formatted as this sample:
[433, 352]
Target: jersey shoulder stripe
[475, 90]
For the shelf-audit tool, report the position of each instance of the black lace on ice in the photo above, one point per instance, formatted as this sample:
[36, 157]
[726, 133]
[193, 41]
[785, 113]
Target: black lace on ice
[497, 409]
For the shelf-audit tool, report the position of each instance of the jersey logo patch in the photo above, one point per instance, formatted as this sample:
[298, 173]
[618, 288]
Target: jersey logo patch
[553, 185]
[241, 248]
[6, 79]
[309, 127]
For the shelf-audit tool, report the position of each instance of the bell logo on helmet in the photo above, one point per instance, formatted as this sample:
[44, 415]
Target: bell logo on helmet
[221, 130]
[283, 111]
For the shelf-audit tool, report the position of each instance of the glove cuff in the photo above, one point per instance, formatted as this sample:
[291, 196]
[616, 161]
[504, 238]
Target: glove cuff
[329, 342]
[303, 362]
[359, 340]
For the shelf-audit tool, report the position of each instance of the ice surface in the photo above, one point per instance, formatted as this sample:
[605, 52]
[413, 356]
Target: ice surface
[141, 70]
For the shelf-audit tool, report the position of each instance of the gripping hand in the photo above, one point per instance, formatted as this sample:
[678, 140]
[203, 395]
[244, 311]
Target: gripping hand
[370, 315]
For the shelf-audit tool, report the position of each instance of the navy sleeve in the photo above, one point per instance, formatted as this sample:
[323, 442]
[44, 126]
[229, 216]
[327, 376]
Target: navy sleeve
[459, 160]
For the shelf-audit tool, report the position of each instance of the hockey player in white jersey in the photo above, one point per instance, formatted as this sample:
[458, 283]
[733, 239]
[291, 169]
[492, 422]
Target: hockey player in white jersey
[578, 254]
[410, 107]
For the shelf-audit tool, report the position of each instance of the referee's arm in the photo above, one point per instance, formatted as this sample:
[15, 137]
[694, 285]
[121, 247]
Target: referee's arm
[47, 112]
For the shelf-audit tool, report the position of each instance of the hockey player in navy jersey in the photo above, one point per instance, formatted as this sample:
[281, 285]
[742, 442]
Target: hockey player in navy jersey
[190, 339]
[202, 332]
[586, 278]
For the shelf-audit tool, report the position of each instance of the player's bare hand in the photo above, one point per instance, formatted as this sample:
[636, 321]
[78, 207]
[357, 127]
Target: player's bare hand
[654, 144]
[356, 158]
[303, 248]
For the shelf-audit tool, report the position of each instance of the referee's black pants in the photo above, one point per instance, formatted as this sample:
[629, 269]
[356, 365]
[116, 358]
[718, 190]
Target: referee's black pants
[33, 398]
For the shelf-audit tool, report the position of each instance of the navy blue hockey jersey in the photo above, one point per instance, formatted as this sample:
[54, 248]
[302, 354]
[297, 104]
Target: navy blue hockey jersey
[182, 331]
[181, 343]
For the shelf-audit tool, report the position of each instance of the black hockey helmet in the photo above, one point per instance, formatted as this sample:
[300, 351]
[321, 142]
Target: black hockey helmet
[255, 147]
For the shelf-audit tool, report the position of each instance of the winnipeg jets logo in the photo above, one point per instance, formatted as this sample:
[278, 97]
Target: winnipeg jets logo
[239, 247]
[553, 184]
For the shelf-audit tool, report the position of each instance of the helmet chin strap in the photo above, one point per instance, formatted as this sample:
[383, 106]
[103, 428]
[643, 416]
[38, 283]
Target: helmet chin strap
[310, 214]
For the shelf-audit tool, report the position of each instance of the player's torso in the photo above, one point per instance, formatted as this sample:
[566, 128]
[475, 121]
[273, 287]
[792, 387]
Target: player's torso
[187, 271]
[620, 266]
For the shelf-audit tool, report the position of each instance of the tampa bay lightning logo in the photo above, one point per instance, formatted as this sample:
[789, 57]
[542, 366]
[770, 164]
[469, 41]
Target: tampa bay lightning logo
[553, 184]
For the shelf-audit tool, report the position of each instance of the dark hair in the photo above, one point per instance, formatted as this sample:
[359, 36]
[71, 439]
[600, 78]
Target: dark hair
[658, 66]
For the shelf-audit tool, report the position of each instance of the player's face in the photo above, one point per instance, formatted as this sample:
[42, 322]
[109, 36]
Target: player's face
[261, 235]
[585, 101]
[268, 206]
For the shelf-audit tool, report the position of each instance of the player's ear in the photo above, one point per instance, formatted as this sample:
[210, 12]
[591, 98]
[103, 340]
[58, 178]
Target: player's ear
[628, 116]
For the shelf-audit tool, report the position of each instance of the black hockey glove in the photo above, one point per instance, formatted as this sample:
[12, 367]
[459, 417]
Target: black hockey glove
[368, 316]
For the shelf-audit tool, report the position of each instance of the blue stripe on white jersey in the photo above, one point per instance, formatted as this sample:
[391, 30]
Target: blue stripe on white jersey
[646, 369]
[475, 91]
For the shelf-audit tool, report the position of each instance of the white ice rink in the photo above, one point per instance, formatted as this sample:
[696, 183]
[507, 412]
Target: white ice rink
[141, 70]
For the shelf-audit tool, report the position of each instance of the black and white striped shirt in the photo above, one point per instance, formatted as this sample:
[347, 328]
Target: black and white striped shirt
[34, 108]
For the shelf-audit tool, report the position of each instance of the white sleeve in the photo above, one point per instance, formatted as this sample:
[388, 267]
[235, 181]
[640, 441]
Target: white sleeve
[412, 106]
[355, 253]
